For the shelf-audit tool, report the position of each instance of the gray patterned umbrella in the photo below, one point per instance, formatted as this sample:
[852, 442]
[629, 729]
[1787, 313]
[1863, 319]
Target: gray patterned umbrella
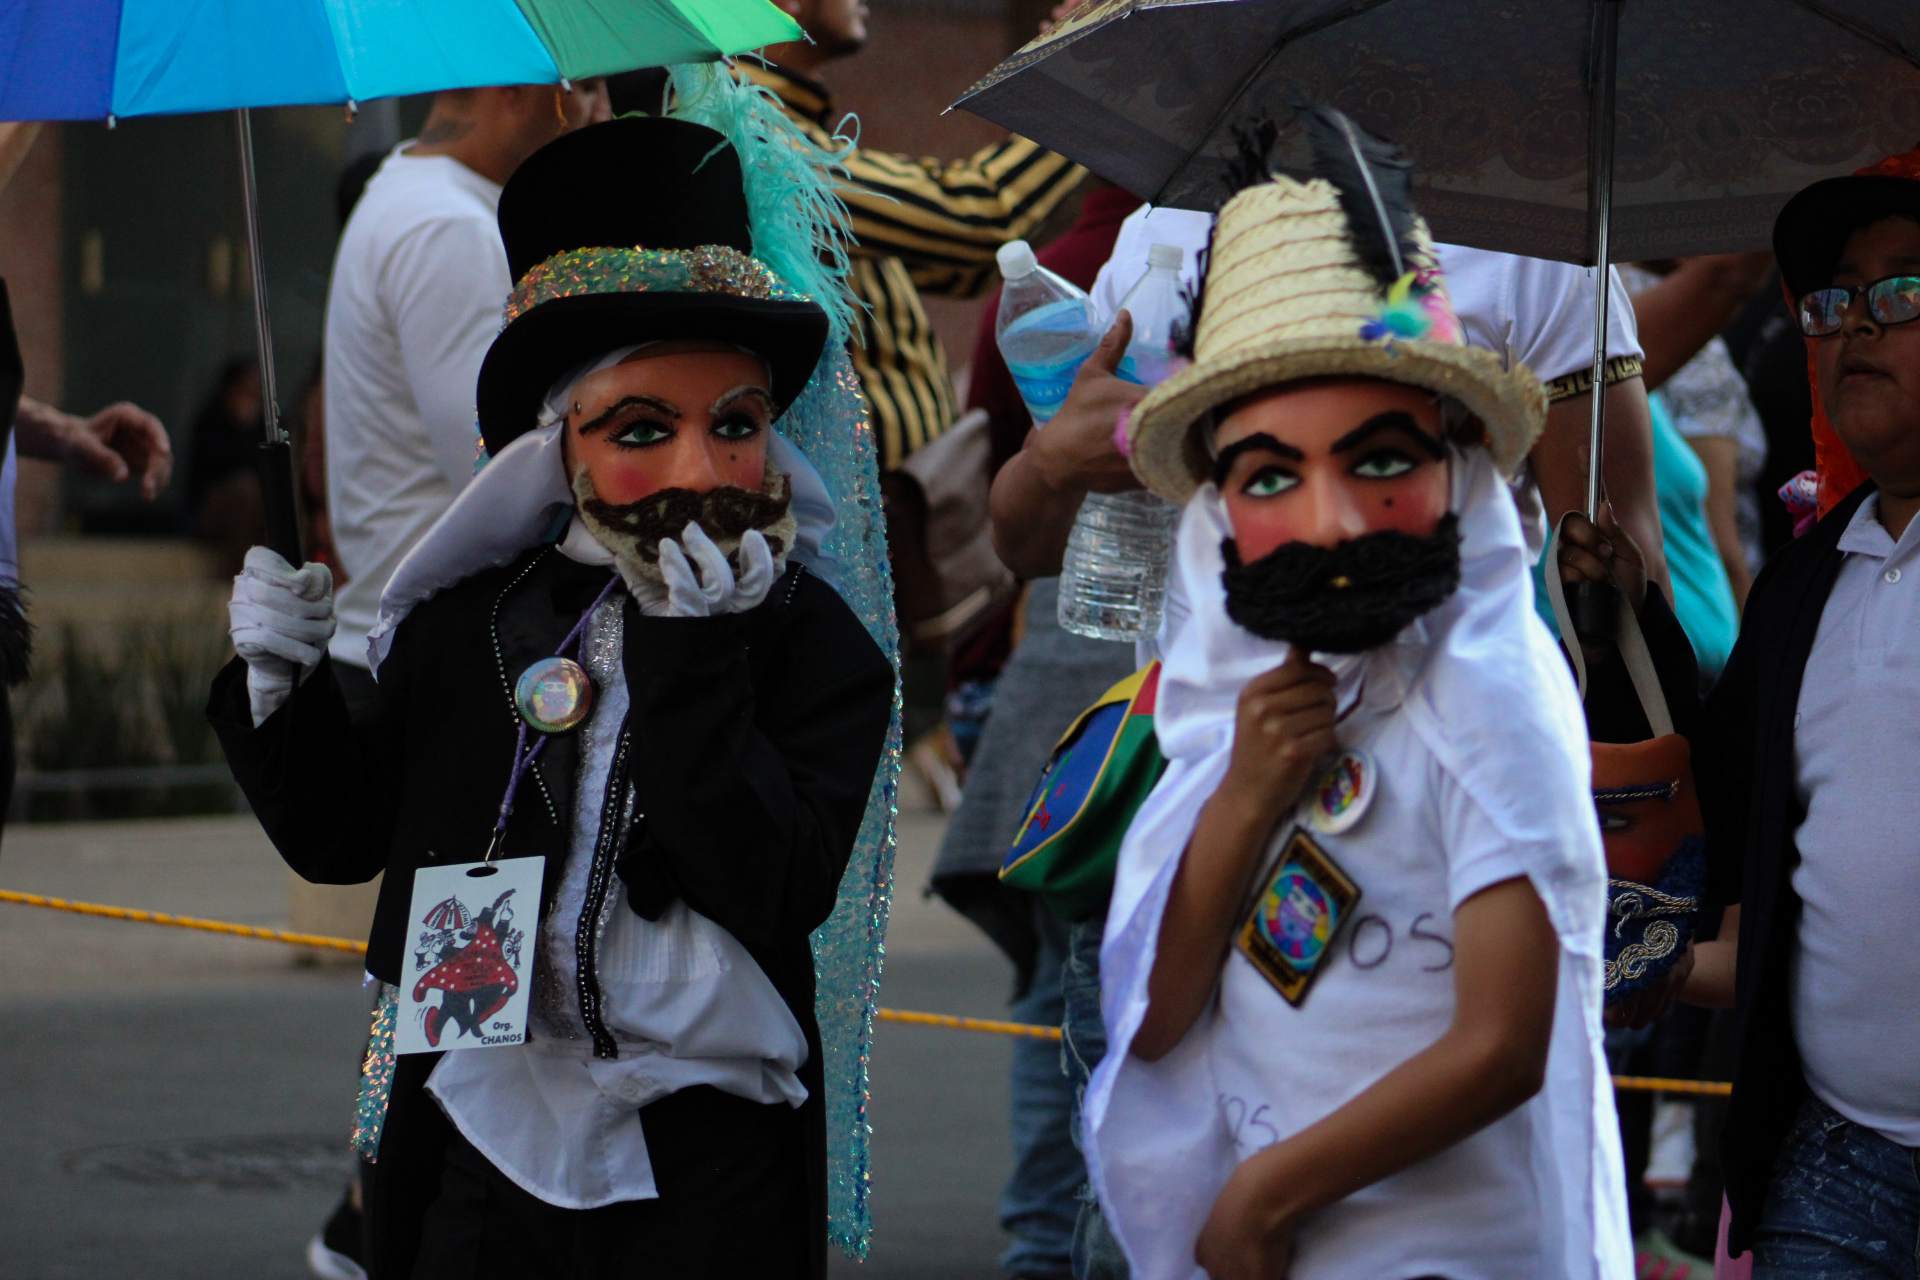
[1724, 107]
[1584, 130]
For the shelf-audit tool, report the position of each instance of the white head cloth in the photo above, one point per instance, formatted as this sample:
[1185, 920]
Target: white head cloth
[1492, 699]
[522, 499]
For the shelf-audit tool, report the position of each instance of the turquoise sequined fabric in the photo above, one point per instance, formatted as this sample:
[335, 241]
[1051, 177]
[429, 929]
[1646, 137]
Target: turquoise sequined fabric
[376, 1075]
[829, 424]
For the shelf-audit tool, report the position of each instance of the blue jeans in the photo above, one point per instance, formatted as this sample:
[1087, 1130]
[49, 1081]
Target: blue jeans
[1843, 1204]
[1039, 1204]
[1096, 1254]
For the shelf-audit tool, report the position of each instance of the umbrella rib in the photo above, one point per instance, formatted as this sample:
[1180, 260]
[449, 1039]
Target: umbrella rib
[1285, 38]
[1859, 29]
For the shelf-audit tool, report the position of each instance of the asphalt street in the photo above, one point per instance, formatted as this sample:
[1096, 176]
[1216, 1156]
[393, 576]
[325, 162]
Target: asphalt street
[175, 1107]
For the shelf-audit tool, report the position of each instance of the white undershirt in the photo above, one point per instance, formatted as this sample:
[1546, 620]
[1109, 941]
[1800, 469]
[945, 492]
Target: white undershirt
[1856, 970]
[685, 1002]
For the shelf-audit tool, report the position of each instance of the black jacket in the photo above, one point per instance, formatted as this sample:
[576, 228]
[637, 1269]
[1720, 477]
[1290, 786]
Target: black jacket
[750, 745]
[1744, 764]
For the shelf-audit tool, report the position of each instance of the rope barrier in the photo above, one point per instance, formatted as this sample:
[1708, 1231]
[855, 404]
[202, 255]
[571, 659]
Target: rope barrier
[183, 922]
[1658, 1084]
[969, 1024]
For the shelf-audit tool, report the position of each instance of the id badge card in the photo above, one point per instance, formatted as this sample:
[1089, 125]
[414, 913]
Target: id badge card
[1289, 935]
[469, 959]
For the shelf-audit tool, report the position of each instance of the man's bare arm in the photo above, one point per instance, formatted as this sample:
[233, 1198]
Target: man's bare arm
[1560, 467]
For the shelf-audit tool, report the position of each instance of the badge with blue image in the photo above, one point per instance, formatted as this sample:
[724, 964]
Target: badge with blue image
[1289, 935]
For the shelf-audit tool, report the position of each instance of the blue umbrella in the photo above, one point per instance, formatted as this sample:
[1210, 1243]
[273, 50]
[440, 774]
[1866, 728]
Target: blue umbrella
[100, 59]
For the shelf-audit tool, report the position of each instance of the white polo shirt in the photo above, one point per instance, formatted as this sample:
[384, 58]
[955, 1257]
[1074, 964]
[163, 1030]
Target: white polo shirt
[1856, 737]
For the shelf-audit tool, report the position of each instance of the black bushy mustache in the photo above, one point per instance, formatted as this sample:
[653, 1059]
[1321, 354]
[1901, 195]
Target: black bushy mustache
[725, 512]
[1343, 599]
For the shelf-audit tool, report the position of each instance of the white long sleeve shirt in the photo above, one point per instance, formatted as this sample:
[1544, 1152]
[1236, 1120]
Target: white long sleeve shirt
[416, 298]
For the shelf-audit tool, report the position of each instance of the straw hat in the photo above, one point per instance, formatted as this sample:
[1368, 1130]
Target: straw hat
[1288, 296]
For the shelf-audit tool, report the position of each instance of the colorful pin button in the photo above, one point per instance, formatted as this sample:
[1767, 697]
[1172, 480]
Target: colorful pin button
[1345, 792]
[554, 695]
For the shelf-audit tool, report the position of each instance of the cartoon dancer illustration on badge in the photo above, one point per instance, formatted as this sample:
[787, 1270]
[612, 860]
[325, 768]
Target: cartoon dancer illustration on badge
[475, 979]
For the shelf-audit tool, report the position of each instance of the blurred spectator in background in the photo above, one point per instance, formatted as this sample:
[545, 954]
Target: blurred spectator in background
[1051, 677]
[919, 225]
[1676, 302]
[224, 505]
[415, 299]
[1706, 438]
[1770, 353]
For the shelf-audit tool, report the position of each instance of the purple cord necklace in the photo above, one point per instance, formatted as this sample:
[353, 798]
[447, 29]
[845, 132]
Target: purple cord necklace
[557, 670]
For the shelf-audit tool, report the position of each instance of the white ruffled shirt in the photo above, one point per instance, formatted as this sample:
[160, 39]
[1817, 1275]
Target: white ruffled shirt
[1476, 729]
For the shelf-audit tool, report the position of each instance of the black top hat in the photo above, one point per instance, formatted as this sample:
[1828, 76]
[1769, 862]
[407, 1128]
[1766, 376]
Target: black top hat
[1813, 228]
[652, 183]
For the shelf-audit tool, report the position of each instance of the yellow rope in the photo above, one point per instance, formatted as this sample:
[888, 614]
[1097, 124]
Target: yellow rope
[183, 922]
[1708, 1088]
[1659, 1084]
[970, 1024]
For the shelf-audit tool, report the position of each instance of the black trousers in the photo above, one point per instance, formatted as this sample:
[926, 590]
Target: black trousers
[733, 1203]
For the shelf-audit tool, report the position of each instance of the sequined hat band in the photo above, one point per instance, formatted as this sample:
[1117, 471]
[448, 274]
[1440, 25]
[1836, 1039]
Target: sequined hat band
[709, 269]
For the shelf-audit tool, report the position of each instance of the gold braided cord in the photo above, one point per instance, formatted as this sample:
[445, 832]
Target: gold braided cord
[1654, 1084]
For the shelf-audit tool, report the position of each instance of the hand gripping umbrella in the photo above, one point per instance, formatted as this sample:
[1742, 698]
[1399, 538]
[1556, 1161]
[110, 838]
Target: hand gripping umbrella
[1591, 131]
[100, 59]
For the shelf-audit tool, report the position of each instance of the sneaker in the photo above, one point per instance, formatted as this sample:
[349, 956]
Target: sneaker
[1657, 1258]
[334, 1254]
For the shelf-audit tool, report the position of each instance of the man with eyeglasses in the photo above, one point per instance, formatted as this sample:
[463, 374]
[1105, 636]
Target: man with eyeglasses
[1808, 767]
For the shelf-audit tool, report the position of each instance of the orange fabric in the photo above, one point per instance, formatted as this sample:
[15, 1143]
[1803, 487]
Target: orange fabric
[1839, 474]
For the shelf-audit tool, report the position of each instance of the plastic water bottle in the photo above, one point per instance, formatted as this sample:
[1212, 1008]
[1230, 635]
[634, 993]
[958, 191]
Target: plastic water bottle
[1046, 330]
[1113, 584]
[1159, 317]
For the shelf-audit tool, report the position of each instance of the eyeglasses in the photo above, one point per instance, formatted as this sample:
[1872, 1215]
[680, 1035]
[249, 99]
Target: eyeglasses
[1894, 300]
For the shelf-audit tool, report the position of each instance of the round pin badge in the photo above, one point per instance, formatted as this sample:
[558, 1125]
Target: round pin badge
[554, 695]
[1345, 792]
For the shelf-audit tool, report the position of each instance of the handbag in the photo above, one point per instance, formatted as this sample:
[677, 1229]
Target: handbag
[1099, 774]
[1649, 815]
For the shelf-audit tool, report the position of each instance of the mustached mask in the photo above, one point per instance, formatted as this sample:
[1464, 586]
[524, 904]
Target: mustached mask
[633, 531]
[1343, 599]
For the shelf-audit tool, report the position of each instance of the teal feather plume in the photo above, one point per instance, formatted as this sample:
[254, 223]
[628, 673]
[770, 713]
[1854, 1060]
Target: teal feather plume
[799, 223]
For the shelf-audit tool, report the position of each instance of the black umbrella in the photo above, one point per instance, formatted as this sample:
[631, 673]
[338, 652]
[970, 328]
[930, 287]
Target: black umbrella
[1592, 131]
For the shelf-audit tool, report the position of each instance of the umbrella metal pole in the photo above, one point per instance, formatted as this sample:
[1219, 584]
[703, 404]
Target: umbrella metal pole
[276, 452]
[1592, 604]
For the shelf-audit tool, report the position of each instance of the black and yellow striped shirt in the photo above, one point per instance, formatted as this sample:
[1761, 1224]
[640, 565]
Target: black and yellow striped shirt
[921, 225]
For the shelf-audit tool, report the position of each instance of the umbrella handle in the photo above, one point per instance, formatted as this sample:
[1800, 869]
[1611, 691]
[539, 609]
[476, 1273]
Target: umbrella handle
[1594, 608]
[276, 492]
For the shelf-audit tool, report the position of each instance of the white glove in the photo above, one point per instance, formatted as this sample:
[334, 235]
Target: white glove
[713, 589]
[280, 621]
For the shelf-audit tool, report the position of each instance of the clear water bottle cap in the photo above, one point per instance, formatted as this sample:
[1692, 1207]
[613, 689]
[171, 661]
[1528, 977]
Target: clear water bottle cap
[1016, 259]
[1167, 256]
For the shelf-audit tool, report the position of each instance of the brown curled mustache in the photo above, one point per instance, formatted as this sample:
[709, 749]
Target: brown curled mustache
[723, 513]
